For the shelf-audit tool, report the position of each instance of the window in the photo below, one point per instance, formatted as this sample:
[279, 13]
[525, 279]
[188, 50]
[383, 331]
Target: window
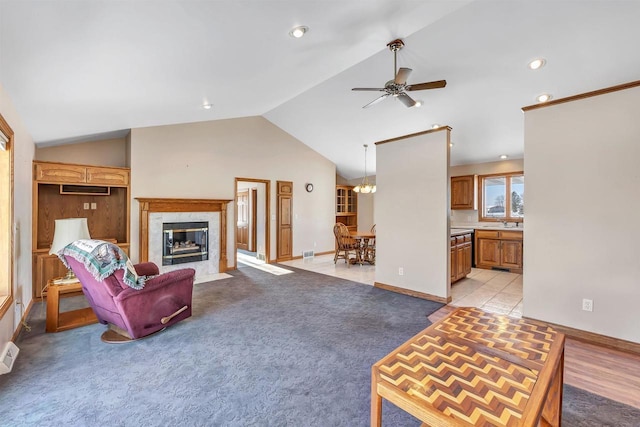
[501, 197]
[6, 216]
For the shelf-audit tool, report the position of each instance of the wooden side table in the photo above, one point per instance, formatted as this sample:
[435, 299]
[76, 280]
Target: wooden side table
[475, 368]
[57, 321]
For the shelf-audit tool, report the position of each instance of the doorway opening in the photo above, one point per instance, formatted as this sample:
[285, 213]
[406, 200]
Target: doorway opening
[252, 233]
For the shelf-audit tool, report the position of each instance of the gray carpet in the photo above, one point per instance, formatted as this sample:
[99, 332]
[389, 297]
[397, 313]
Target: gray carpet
[260, 350]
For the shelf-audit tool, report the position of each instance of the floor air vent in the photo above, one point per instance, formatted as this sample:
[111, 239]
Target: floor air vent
[307, 254]
[7, 357]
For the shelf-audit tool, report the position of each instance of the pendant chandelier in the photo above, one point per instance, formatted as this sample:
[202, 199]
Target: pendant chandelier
[365, 187]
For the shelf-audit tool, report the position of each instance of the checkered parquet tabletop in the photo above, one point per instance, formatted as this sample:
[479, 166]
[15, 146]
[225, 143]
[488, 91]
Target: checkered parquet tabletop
[474, 368]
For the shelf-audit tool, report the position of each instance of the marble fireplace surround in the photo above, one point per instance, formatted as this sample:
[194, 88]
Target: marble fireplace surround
[213, 210]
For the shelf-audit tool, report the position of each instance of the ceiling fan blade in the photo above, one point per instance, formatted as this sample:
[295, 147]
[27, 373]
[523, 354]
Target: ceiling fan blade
[376, 89]
[406, 100]
[402, 76]
[375, 101]
[430, 85]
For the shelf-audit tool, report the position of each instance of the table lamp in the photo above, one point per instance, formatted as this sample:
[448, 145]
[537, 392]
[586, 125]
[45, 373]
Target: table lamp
[68, 231]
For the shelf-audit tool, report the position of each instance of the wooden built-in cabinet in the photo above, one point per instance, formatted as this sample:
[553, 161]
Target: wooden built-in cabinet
[460, 256]
[347, 207]
[499, 249]
[62, 190]
[463, 192]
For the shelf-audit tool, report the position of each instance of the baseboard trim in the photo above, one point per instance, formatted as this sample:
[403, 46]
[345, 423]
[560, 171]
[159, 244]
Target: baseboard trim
[412, 293]
[315, 254]
[594, 338]
[23, 321]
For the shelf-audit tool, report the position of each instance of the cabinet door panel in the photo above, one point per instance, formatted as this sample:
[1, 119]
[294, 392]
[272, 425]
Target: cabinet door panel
[60, 173]
[511, 254]
[467, 258]
[107, 176]
[463, 192]
[488, 252]
[454, 268]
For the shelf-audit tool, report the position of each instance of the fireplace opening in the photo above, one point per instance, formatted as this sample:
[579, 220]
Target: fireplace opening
[185, 242]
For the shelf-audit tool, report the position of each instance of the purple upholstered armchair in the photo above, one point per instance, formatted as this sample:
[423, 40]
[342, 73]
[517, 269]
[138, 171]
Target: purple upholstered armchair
[132, 313]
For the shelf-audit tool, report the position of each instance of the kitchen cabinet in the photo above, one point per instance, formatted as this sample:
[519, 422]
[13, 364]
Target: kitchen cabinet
[499, 249]
[63, 190]
[460, 256]
[347, 207]
[80, 174]
[463, 192]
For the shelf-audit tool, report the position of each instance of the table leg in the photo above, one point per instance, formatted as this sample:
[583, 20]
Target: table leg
[552, 409]
[53, 308]
[376, 402]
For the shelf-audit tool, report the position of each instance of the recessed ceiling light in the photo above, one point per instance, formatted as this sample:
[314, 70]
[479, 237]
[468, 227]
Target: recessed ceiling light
[451, 144]
[504, 157]
[298, 31]
[435, 126]
[418, 104]
[543, 98]
[537, 63]
[207, 106]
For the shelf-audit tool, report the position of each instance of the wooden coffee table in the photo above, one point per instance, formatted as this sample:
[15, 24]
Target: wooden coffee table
[57, 321]
[475, 368]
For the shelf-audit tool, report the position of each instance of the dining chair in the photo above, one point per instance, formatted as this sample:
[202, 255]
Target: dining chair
[345, 244]
[371, 247]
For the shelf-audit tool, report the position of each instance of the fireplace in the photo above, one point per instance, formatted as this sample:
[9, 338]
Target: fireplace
[185, 242]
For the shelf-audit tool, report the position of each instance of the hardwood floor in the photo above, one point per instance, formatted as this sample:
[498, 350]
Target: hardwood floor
[600, 370]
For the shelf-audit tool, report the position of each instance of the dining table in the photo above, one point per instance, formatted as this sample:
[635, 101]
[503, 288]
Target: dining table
[362, 239]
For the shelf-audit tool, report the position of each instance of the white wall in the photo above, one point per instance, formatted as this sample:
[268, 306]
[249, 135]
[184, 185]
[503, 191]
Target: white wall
[412, 211]
[108, 152]
[202, 160]
[583, 189]
[22, 166]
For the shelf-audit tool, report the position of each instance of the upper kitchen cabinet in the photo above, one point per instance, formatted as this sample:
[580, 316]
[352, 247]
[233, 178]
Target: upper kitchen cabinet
[463, 192]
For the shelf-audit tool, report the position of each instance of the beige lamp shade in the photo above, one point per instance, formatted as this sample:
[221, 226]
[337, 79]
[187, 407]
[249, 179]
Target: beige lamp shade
[67, 231]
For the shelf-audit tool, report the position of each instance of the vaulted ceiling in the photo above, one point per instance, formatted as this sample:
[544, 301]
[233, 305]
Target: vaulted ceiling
[80, 70]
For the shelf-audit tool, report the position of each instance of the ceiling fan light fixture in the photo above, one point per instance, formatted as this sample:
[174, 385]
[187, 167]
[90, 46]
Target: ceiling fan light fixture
[299, 31]
[418, 103]
[365, 187]
[537, 63]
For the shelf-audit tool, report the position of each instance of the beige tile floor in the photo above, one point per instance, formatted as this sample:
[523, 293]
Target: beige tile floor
[494, 291]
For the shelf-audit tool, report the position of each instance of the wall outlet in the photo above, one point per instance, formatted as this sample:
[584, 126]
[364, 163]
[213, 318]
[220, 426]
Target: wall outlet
[86, 206]
[400, 271]
[94, 206]
[587, 304]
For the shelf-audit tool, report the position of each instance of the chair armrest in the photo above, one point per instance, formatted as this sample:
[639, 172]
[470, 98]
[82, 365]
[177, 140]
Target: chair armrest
[147, 269]
[185, 275]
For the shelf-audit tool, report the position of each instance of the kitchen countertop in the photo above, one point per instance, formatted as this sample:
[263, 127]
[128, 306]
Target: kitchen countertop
[469, 228]
[459, 231]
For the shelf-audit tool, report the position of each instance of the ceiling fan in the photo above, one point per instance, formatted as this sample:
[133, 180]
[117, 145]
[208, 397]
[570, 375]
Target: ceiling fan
[398, 86]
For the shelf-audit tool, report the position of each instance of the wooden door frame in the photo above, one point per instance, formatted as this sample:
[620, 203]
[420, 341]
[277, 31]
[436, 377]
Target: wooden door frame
[253, 220]
[267, 213]
[246, 191]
